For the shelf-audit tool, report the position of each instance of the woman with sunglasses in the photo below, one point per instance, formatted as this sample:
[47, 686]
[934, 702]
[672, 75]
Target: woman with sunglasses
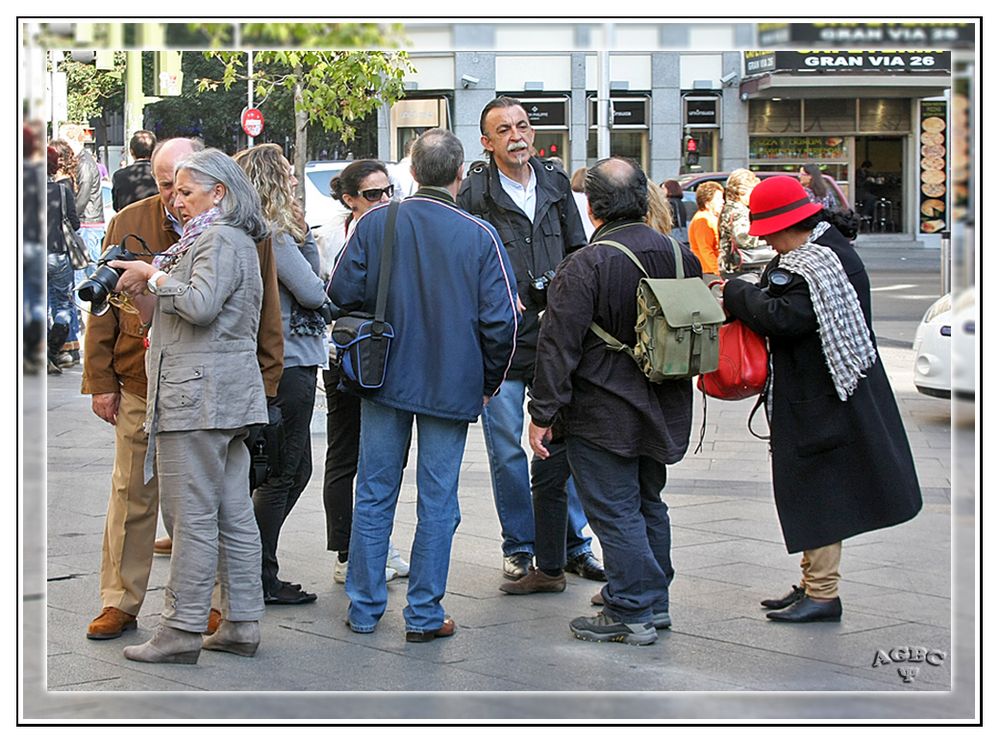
[361, 185]
[301, 293]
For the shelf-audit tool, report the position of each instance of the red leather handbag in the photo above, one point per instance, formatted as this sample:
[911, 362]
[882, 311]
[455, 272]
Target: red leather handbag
[742, 371]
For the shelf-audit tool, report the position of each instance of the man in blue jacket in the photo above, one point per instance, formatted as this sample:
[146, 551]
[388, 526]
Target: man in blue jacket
[452, 302]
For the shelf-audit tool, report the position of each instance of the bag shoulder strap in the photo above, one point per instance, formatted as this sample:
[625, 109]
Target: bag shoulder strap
[385, 267]
[613, 343]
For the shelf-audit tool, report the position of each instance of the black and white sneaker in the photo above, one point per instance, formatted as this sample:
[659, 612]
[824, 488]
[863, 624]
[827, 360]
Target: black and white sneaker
[600, 627]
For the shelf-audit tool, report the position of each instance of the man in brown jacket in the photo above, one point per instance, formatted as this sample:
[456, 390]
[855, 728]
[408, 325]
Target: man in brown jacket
[114, 374]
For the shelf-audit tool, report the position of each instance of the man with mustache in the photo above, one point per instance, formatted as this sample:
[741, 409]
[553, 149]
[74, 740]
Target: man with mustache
[531, 205]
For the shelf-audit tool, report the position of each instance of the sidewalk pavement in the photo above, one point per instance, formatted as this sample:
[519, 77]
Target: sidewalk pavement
[727, 549]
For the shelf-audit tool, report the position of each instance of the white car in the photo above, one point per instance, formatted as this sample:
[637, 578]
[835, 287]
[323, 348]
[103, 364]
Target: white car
[321, 208]
[945, 347]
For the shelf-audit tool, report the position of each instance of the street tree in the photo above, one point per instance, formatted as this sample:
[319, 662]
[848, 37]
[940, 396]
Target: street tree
[331, 89]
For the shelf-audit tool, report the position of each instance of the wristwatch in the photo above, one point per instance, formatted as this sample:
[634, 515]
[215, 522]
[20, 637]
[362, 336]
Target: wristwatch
[151, 282]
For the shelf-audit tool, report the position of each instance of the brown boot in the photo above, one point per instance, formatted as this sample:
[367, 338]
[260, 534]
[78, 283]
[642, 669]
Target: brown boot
[163, 546]
[535, 581]
[167, 646]
[214, 618]
[241, 638]
[111, 623]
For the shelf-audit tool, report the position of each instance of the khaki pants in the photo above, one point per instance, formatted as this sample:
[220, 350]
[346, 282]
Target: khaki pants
[821, 571]
[130, 527]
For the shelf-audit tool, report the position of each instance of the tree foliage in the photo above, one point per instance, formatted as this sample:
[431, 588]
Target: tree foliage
[336, 88]
[90, 91]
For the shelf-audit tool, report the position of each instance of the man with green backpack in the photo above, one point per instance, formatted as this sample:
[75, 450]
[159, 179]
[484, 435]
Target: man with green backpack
[622, 428]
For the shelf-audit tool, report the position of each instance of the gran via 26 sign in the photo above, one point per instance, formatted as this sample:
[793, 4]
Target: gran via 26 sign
[848, 61]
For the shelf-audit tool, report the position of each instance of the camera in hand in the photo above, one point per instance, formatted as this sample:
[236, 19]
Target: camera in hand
[538, 288]
[97, 288]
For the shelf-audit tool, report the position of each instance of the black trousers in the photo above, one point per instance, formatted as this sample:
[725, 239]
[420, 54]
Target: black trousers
[273, 501]
[343, 432]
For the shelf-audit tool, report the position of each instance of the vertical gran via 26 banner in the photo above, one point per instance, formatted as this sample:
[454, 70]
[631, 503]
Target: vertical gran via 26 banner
[933, 166]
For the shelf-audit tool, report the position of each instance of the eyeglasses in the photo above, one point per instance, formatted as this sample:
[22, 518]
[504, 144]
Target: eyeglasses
[374, 195]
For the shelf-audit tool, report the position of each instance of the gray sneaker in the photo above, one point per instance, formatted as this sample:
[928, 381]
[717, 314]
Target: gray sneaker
[600, 627]
[661, 620]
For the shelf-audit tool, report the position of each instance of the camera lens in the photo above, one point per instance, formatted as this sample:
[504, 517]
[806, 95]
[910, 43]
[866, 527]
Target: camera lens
[99, 286]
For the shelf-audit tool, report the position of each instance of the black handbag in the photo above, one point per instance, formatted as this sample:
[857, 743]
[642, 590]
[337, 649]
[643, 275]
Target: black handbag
[266, 443]
[75, 246]
[362, 339]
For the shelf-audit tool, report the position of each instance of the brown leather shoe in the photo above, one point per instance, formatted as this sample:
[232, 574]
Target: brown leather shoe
[214, 618]
[111, 623]
[535, 581]
[163, 546]
[423, 636]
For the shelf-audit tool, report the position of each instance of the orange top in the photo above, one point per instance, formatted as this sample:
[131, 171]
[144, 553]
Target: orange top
[703, 234]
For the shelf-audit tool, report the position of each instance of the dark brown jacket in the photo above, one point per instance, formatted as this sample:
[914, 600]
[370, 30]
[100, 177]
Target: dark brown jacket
[114, 352]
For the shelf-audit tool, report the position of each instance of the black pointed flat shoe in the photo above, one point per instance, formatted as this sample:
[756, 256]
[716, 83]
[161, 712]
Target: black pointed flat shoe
[788, 600]
[809, 610]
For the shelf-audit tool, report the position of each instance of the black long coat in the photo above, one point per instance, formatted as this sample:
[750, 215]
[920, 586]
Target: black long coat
[838, 468]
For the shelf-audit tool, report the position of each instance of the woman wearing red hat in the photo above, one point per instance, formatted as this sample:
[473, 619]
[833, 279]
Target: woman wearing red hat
[841, 462]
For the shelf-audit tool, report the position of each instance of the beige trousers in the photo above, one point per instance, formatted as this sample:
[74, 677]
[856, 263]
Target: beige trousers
[130, 526]
[821, 571]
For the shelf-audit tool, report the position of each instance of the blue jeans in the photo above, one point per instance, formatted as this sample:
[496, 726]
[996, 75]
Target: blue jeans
[622, 498]
[385, 438]
[60, 286]
[503, 425]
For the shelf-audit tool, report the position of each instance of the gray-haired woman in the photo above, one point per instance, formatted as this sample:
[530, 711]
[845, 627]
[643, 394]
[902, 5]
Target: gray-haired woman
[202, 299]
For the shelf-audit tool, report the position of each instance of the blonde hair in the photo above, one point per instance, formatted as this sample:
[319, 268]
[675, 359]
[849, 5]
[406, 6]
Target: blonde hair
[658, 214]
[740, 183]
[267, 169]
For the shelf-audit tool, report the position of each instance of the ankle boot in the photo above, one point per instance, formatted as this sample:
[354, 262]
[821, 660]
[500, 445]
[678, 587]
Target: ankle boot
[241, 638]
[167, 646]
[57, 336]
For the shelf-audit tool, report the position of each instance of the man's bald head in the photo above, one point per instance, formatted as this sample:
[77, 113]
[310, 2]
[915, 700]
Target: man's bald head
[164, 161]
[616, 190]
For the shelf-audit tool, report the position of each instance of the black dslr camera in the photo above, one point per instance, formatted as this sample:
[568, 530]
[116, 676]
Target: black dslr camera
[98, 287]
[538, 287]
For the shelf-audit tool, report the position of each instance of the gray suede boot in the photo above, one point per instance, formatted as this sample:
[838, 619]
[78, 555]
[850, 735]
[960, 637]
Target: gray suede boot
[241, 638]
[167, 646]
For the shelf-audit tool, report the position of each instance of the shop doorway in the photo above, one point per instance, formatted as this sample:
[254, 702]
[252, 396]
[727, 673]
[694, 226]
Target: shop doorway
[878, 183]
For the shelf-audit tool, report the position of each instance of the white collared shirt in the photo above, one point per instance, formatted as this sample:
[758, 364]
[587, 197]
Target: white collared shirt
[523, 196]
[176, 223]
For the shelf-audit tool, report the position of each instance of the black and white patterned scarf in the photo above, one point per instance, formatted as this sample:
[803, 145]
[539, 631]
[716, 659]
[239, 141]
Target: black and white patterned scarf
[847, 345]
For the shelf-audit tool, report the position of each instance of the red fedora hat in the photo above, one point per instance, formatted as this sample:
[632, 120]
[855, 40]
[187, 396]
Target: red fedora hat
[778, 202]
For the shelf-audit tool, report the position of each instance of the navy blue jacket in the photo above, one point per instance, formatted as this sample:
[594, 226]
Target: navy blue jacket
[452, 302]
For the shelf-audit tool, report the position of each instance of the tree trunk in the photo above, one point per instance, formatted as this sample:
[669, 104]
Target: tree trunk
[301, 120]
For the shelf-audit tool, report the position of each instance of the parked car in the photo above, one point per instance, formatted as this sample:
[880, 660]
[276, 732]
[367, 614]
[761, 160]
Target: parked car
[321, 208]
[109, 210]
[691, 181]
[945, 346]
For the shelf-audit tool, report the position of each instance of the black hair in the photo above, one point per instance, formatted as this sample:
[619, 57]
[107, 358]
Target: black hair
[142, 144]
[499, 102]
[349, 180]
[437, 156]
[616, 190]
[809, 223]
[817, 182]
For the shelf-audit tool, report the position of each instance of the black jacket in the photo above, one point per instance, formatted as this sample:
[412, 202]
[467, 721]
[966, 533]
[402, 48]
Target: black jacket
[598, 394]
[839, 468]
[534, 247]
[132, 183]
[55, 214]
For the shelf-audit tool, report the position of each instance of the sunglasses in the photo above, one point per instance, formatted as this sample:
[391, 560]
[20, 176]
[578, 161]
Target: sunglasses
[374, 195]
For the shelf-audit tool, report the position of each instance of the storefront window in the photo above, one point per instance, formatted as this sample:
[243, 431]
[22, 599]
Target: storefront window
[830, 115]
[623, 144]
[885, 115]
[775, 116]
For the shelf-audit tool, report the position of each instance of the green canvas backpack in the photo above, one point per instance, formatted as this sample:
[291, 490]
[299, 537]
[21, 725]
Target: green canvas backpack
[677, 325]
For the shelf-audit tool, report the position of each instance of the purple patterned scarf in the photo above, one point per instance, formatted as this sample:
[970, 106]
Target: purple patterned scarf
[192, 231]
